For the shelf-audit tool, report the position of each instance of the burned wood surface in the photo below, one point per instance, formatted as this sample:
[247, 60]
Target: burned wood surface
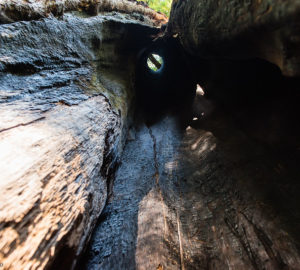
[65, 103]
[239, 30]
[203, 197]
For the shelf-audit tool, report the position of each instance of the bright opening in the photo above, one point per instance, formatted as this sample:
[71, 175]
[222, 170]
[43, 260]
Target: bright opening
[199, 90]
[155, 62]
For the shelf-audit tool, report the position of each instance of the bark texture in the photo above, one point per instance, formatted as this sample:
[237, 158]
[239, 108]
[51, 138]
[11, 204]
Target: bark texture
[199, 199]
[239, 30]
[66, 93]
[14, 10]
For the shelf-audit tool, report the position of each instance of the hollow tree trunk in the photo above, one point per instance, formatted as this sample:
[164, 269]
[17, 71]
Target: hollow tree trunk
[240, 30]
[65, 94]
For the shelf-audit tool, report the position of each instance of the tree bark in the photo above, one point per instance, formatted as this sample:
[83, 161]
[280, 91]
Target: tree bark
[11, 10]
[65, 107]
[239, 30]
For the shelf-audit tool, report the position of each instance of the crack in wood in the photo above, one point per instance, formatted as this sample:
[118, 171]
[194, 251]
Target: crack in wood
[23, 124]
[157, 182]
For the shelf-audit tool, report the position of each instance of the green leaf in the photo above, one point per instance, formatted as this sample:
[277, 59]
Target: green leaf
[162, 6]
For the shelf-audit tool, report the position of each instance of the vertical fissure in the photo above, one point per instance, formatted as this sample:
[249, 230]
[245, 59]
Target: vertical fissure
[156, 175]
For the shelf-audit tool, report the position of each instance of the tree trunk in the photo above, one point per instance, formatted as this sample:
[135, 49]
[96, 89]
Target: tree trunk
[66, 90]
[240, 30]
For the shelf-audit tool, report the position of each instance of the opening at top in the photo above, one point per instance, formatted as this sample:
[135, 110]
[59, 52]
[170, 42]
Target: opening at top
[155, 62]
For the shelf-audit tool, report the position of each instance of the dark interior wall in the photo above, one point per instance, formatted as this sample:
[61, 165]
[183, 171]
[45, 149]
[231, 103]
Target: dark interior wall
[264, 105]
[260, 100]
[246, 57]
[171, 88]
[254, 91]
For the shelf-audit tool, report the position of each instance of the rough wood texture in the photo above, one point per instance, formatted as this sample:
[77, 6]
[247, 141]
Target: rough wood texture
[14, 10]
[201, 198]
[240, 29]
[53, 179]
[65, 94]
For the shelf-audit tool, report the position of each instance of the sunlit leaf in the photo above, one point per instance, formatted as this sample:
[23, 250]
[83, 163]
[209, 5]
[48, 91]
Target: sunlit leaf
[162, 6]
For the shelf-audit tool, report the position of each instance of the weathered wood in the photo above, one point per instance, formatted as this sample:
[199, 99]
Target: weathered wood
[53, 182]
[11, 10]
[240, 30]
[197, 199]
[65, 94]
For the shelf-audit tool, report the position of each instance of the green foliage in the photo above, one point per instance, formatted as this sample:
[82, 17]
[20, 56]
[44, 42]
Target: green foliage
[162, 6]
